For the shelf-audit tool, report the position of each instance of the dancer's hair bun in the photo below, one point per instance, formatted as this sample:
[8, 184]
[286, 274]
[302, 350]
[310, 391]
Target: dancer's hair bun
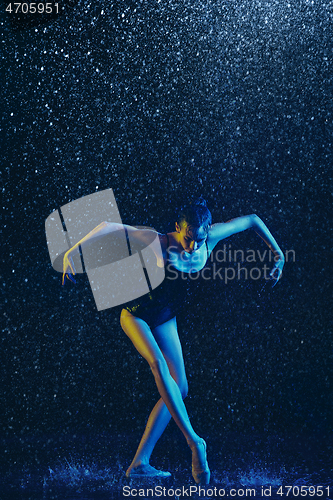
[200, 201]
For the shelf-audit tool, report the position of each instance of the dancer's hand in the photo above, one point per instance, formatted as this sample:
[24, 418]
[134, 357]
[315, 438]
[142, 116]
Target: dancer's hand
[276, 272]
[68, 268]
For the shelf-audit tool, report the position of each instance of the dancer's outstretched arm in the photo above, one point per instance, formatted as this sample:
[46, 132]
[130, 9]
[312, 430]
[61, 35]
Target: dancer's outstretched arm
[145, 236]
[221, 231]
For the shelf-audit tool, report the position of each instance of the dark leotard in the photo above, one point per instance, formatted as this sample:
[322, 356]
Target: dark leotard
[162, 303]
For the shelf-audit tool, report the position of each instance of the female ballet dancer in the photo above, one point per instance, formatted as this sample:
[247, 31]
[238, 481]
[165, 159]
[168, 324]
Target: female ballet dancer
[150, 321]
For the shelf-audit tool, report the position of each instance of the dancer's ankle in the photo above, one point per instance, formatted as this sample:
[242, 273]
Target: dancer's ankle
[137, 465]
[142, 462]
[194, 441]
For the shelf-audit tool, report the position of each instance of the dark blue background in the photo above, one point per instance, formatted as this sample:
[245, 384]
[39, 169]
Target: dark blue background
[159, 100]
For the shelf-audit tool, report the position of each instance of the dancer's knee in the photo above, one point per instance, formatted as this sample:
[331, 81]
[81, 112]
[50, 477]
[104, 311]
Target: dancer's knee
[161, 371]
[159, 368]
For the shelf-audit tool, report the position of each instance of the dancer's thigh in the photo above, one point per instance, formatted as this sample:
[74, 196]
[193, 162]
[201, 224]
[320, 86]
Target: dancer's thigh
[141, 336]
[161, 343]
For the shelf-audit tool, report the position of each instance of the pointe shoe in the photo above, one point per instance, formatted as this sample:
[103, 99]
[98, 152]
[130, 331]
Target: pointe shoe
[146, 470]
[200, 469]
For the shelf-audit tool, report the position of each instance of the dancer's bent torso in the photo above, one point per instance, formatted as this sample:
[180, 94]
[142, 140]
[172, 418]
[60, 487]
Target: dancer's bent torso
[163, 303]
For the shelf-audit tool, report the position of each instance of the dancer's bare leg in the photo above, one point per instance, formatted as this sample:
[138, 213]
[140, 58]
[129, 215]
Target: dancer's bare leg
[166, 336]
[157, 349]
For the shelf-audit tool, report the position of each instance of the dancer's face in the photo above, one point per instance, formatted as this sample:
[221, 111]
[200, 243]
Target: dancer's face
[190, 238]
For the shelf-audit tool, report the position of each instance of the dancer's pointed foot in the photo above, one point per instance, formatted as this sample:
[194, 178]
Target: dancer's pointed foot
[200, 469]
[146, 470]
